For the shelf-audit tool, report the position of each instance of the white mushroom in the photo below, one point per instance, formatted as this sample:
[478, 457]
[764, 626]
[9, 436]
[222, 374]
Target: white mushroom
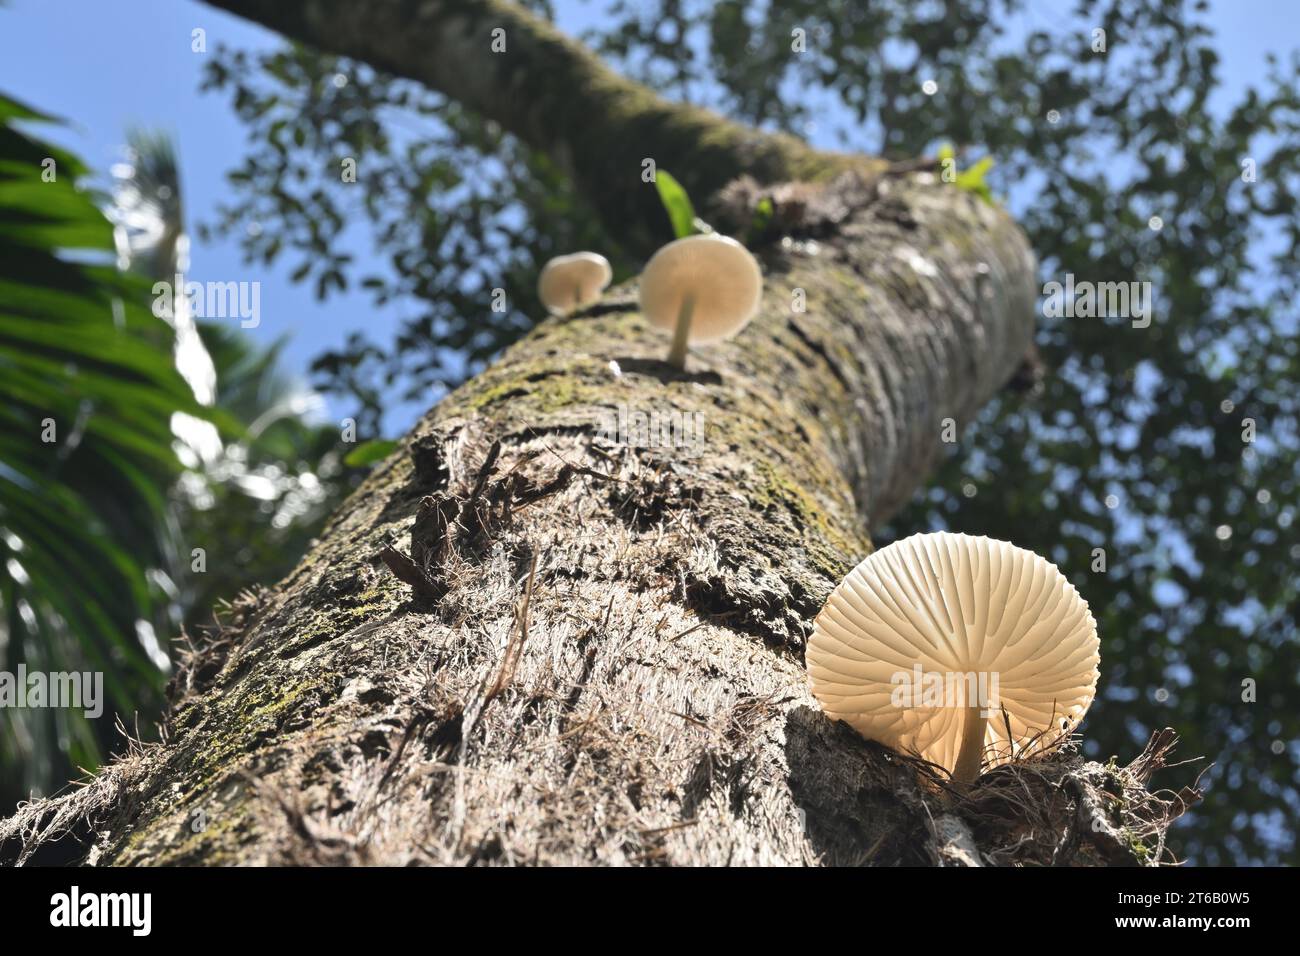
[930, 637]
[702, 289]
[568, 283]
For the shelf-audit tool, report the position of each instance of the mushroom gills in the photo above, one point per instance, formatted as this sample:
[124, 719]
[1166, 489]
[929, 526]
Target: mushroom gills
[998, 631]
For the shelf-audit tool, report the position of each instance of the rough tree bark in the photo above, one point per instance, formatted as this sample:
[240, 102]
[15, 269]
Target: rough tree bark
[524, 640]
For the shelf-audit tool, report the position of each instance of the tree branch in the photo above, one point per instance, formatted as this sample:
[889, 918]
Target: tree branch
[553, 94]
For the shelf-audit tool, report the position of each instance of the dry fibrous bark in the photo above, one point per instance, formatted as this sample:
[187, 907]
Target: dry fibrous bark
[530, 638]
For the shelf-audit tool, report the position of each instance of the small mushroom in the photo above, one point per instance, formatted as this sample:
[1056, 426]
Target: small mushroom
[946, 610]
[568, 283]
[702, 289]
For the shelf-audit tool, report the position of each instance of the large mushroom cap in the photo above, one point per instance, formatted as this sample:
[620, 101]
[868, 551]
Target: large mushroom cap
[569, 282]
[721, 277]
[955, 604]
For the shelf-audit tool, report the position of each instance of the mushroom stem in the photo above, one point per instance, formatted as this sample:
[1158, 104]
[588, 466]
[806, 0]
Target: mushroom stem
[681, 334]
[971, 754]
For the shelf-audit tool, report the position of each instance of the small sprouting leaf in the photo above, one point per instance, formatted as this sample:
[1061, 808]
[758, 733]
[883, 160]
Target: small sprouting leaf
[763, 213]
[972, 179]
[676, 203]
[369, 452]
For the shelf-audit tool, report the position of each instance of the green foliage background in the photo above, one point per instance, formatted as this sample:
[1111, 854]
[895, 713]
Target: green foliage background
[101, 503]
[88, 389]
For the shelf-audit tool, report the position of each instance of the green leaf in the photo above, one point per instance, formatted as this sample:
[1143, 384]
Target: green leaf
[11, 109]
[763, 213]
[972, 179]
[676, 203]
[368, 453]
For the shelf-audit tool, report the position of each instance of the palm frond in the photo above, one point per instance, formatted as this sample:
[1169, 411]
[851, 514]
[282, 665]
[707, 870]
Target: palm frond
[88, 389]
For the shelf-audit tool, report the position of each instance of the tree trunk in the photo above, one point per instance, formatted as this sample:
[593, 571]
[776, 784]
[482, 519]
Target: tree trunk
[566, 623]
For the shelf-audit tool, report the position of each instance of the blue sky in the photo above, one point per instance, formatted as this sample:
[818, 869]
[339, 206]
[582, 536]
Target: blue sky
[108, 66]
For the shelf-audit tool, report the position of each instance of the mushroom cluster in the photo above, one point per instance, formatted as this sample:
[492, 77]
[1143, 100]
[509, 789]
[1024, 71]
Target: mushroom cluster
[956, 612]
[702, 289]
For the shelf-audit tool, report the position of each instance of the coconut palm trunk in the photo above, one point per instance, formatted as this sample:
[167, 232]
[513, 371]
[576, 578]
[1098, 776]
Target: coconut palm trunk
[565, 622]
